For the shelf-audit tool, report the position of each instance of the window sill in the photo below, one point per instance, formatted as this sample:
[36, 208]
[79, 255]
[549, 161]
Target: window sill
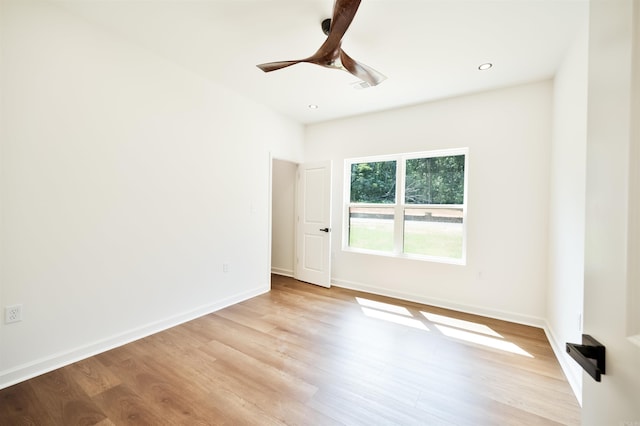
[432, 259]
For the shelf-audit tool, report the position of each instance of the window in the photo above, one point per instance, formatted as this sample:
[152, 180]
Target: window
[408, 205]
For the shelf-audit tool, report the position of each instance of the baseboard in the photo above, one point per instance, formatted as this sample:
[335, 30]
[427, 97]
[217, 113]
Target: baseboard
[44, 365]
[447, 304]
[561, 355]
[282, 271]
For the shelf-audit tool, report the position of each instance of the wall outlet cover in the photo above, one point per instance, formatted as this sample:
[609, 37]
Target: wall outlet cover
[12, 314]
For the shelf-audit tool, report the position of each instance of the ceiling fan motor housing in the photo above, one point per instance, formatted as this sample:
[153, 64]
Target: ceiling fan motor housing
[326, 26]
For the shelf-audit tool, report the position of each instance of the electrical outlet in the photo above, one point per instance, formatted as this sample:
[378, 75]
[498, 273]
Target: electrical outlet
[225, 267]
[12, 314]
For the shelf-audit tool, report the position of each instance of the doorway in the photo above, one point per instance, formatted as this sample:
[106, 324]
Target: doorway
[301, 221]
[283, 221]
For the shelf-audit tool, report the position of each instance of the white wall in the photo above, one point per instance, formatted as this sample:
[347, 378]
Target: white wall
[283, 208]
[126, 183]
[508, 133]
[567, 207]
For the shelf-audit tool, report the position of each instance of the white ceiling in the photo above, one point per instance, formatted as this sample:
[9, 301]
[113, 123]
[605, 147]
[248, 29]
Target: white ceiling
[428, 49]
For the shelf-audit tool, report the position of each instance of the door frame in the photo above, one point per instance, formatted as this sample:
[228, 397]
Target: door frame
[271, 159]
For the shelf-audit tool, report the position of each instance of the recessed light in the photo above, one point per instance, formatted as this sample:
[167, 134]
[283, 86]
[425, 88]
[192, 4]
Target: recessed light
[485, 66]
[312, 106]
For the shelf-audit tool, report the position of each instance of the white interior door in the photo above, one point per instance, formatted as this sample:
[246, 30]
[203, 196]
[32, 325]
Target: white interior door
[612, 238]
[313, 229]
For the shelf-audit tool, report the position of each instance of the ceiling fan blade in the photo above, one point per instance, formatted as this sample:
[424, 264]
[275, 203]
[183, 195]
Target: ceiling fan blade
[343, 13]
[272, 66]
[360, 70]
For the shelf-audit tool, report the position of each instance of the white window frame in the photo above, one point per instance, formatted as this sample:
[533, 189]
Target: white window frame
[399, 206]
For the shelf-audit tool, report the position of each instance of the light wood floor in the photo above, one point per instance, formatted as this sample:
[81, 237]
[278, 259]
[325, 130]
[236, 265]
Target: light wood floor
[306, 355]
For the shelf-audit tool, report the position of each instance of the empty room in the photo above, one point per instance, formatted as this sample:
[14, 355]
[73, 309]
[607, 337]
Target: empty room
[316, 212]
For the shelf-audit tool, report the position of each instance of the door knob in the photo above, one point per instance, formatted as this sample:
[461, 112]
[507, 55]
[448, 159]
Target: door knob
[324, 229]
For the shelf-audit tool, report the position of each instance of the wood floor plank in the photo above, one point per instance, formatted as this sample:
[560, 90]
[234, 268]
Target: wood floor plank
[171, 396]
[19, 405]
[125, 407]
[278, 380]
[257, 401]
[92, 376]
[308, 355]
[64, 400]
[239, 314]
[286, 357]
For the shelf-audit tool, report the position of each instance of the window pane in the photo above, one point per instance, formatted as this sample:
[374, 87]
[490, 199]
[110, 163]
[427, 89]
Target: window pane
[373, 182]
[435, 180]
[433, 232]
[371, 228]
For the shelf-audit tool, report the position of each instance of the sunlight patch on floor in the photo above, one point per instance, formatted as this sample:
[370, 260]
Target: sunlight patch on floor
[483, 340]
[394, 318]
[466, 331]
[461, 324]
[381, 306]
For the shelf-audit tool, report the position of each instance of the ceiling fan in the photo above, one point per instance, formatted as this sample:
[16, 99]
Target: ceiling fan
[330, 54]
